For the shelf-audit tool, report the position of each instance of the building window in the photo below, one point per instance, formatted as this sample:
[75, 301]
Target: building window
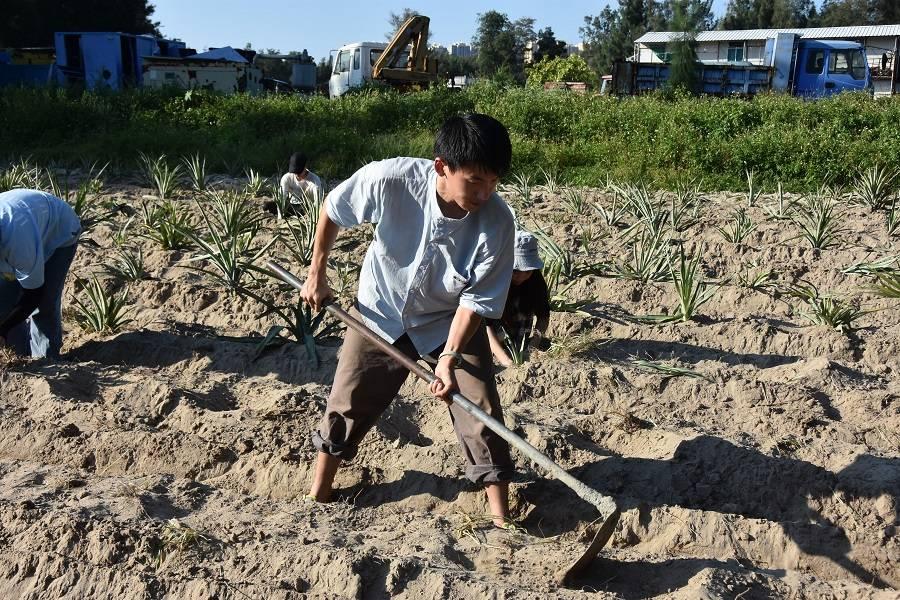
[735, 52]
[356, 60]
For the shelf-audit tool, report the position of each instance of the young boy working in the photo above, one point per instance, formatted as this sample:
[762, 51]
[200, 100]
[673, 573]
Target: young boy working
[441, 261]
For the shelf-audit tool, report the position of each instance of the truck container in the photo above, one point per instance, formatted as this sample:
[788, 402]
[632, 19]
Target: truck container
[807, 68]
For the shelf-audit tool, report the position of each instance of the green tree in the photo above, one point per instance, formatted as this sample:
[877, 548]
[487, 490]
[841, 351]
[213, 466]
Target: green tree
[397, 19]
[841, 13]
[609, 37]
[548, 46]
[452, 66]
[739, 14]
[768, 14]
[886, 12]
[683, 72]
[323, 70]
[602, 40]
[500, 44]
[32, 23]
[493, 42]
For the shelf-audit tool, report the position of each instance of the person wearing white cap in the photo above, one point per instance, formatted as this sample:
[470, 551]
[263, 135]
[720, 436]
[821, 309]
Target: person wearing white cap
[528, 299]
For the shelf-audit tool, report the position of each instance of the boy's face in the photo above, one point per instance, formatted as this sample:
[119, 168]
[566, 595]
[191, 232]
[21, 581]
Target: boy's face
[467, 187]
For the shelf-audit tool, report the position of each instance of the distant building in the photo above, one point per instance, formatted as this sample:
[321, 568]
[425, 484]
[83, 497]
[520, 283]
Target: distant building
[750, 45]
[224, 70]
[461, 49]
[438, 49]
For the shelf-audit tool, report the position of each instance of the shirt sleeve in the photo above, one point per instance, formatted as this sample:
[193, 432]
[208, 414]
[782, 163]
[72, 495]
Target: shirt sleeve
[357, 200]
[486, 295]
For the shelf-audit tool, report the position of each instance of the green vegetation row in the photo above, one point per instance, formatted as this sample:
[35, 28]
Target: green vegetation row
[653, 139]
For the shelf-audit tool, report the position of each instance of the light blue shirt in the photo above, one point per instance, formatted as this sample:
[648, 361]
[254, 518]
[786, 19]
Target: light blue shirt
[422, 266]
[33, 225]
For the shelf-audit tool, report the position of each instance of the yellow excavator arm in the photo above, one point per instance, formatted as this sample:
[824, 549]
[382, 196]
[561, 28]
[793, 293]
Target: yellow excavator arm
[418, 68]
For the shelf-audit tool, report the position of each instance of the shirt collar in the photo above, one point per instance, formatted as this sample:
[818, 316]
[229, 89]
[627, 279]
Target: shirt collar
[440, 223]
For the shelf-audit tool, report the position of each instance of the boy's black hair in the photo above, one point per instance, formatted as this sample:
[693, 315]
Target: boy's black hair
[474, 139]
[298, 163]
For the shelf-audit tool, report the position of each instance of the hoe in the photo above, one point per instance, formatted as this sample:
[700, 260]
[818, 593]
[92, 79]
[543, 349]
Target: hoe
[609, 511]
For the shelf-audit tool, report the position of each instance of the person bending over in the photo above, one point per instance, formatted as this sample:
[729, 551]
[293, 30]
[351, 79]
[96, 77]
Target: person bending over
[38, 238]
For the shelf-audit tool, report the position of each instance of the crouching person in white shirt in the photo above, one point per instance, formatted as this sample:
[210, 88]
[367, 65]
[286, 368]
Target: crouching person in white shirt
[297, 185]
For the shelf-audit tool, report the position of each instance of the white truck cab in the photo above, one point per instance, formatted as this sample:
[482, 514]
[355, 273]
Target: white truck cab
[353, 66]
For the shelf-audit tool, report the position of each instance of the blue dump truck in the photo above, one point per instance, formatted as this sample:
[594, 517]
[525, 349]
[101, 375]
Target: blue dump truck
[802, 67]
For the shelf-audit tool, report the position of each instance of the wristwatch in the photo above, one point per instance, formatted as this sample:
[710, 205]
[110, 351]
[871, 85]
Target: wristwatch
[457, 358]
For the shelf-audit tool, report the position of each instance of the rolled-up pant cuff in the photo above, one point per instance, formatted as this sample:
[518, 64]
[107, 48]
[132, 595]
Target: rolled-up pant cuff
[342, 451]
[489, 473]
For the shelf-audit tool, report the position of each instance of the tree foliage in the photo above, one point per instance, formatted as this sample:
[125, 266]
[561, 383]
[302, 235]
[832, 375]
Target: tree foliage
[548, 46]
[451, 66]
[609, 37]
[768, 14]
[683, 73]
[397, 19]
[500, 44]
[32, 23]
[571, 68]
[838, 13]
[323, 69]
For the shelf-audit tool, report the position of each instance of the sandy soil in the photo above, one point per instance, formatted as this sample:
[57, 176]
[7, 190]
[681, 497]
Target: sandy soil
[163, 461]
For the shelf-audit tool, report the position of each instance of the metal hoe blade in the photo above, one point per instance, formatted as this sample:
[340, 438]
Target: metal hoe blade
[606, 505]
[565, 576]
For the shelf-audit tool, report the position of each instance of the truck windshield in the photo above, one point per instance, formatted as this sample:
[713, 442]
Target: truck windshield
[342, 64]
[847, 62]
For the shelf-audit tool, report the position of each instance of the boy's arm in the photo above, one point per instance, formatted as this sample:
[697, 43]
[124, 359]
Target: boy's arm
[465, 323]
[316, 291]
[355, 201]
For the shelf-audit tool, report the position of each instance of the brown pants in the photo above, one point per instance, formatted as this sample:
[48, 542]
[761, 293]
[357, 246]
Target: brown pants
[367, 380]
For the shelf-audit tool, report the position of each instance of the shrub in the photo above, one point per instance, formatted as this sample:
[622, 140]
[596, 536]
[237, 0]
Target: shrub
[588, 137]
[572, 68]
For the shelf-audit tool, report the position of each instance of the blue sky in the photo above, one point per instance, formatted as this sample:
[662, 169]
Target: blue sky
[321, 26]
